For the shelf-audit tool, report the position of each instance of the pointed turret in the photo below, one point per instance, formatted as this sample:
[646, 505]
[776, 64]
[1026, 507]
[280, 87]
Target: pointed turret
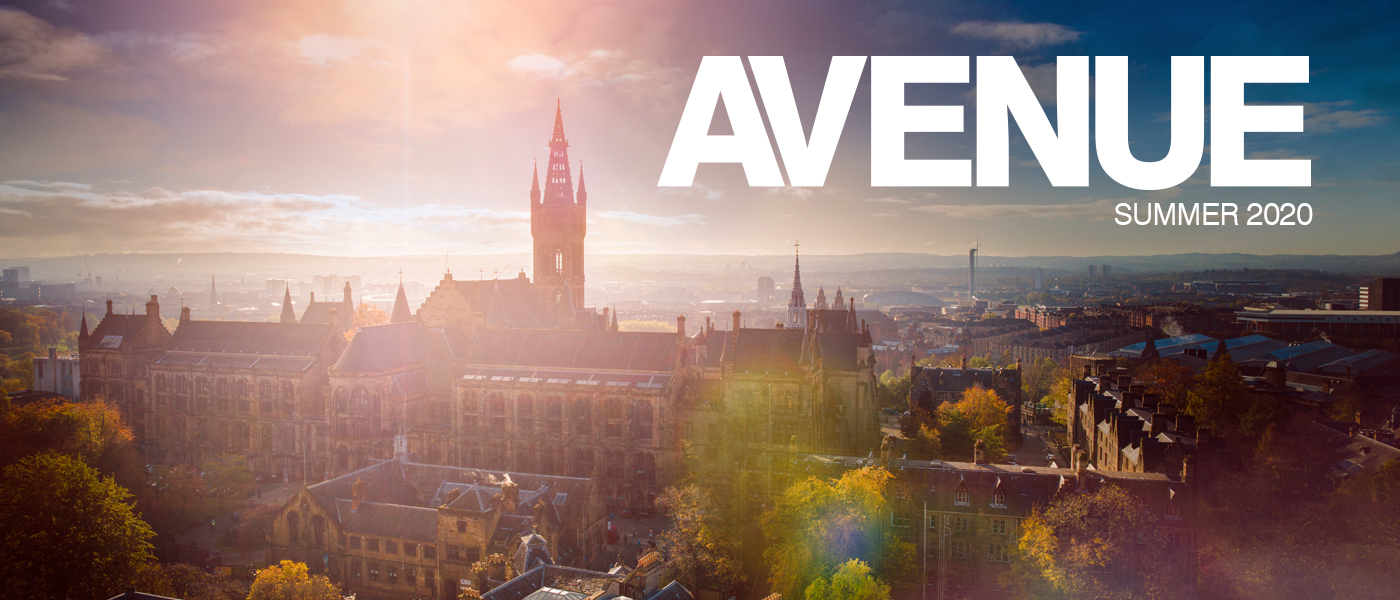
[213, 292]
[83, 333]
[838, 301]
[613, 325]
[582, 193]
[851, 325]
[400, 314]
[535, 185]
[288, 315]
[821, 299]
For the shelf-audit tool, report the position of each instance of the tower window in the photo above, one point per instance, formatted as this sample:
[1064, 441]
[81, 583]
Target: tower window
[559, 262]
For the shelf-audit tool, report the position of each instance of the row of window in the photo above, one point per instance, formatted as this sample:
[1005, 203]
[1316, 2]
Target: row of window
[358, 570]
[222, 387]
[410, 550]
[962, 550]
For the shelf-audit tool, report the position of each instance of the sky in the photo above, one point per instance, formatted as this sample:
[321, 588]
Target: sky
[387, 127]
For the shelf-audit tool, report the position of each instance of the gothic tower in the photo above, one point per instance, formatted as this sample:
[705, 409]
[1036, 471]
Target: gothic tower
[797, 304]
[557, 223]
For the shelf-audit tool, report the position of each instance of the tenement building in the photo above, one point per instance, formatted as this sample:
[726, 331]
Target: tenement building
[1120, 426]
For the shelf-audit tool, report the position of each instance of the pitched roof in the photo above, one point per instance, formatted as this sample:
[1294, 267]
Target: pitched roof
[389, 520]
[380, 348]
[564, 349]
[243, 337]
[766, 351]
[320, 312]
[839, 350]
[401, 312]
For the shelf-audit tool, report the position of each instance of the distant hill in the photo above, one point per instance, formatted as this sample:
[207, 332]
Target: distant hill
[430, 268]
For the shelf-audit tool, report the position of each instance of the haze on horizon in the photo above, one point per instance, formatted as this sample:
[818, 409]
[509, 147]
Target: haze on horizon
[410, 128]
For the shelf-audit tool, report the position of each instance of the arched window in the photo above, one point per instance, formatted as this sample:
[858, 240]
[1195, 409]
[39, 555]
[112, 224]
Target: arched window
[559, 262]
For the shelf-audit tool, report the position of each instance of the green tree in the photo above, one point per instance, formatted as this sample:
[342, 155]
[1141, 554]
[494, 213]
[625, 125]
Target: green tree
[700, 550]
[894, 391]
[291, 581]
[230, 475]
[816, 525]
[69, 533]
[851, 581]
[1038, 378]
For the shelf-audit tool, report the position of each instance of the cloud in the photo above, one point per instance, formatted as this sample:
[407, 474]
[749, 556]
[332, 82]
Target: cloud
[1323, 117]
[888, 200]
[32, 49]
[1015, 35]
[703, 190]
[77, 217]
[324, 49]
[887, 215]
[595, 67]
[183, 47]
[1085, 209]
[1279, 154]
[644, 219]
[795, 192]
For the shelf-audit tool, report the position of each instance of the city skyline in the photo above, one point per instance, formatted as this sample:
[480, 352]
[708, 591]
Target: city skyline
[160, 127]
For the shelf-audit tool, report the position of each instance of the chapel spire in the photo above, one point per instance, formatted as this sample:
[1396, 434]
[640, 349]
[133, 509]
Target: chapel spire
[288, 315]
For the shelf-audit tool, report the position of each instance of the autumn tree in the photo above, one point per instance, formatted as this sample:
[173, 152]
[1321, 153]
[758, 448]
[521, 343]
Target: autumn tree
[1219, 397]
[851, 581]
[291, 581]
[366, 315]
[979, 414]
[816, 525]
[68, 532]
[230, 474]
[90, 431]
[702, 553]
[1099, 545]
[1171, 380]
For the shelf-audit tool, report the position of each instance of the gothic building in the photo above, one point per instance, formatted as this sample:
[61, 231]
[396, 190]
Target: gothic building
[506, 374]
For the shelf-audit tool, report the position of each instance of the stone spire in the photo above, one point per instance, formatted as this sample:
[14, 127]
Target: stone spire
[558, 183]
[582, 193]
[535, 185]
[213, 292]
[613, 326]
[288, 315]
[401, 313]
[797, 304]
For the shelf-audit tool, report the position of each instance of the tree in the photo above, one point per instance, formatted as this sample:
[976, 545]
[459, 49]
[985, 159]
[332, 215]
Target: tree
[980, 414]
[68, 533]
[700, 551]
[894, 391]
[1167, 378]
[291, 581]
[851, 581]
[816, 525]
[366, 315]
[1094, 545]
[1219, 397]
[1038, 378]
[230, 475]
[91, 431]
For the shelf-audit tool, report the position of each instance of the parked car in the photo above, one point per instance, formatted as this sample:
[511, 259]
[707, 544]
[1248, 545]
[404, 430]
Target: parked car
[890, 411]
[1049, 458]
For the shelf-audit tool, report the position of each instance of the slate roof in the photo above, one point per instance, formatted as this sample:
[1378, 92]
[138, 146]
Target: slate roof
[389, 520]
[381, 348]
[115, 328]
[839, 350]
[320, 313]
[515, 305]
[242, 337]
[620, 351]
[771, 351]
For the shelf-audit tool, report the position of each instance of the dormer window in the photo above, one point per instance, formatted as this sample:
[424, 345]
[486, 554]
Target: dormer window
[1173, 510]
[960, 497]
[999, 499]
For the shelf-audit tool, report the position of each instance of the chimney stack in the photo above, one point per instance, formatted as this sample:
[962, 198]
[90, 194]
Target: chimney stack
[736, 320]
[184, 314]
[680, 325]
[357, 494]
